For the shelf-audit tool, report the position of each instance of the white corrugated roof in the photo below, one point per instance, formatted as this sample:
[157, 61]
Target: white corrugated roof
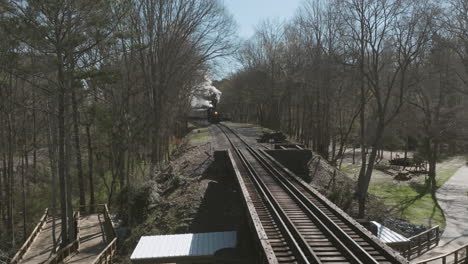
[387, 235]
[183, 245]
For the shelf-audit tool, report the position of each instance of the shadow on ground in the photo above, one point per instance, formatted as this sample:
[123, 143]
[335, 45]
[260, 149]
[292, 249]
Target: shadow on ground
[222, 210]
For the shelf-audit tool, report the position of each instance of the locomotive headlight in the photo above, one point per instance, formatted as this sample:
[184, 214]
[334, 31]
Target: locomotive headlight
[215, 113]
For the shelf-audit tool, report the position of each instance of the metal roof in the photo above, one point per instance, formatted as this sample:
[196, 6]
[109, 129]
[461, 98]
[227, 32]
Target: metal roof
[183, 245]
[387, 235]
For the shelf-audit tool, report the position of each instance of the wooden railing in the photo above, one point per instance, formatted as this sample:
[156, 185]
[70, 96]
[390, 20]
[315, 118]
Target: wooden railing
[30, 239]
[457, 256]
[109, 224]
[418, 244]
[108, 253]
[67, 251]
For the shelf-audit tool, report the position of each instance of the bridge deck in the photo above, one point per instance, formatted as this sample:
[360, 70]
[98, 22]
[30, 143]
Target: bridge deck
[301, 226]
[92, 239]
[41, 248]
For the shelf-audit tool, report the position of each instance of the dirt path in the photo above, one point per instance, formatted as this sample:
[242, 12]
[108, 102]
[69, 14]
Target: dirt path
[41, 249]
[453, 198]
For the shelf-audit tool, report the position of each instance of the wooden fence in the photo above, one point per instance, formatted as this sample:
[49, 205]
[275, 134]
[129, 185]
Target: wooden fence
[66, 252]
[457, 256]
[109, 252]
[19, 255]
[418, 244]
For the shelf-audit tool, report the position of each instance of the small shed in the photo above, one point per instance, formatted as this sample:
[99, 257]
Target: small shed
[198, 248]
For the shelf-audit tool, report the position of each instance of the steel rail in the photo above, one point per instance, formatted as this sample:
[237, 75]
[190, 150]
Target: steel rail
[295, 241]
[338, 237]
[303, 250]
[305, 187]
[348, 246]
[341, 239]
[264, 190]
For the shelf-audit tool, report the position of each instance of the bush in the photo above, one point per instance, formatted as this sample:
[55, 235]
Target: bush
[402, 162]
[135, 202]
[381, 167]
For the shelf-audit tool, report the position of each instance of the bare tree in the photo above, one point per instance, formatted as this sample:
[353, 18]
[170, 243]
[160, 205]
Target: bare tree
[389, 36]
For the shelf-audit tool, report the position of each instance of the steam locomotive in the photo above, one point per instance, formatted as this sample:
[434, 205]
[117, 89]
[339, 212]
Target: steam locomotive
[210, 113]
[213, 115]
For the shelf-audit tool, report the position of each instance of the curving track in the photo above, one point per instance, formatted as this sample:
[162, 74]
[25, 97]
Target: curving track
[301, 225]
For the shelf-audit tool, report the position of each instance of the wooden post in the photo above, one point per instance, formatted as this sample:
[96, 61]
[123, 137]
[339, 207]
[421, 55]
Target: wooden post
[466, 254]
[429, 240]
[408, 252]
[419, 245]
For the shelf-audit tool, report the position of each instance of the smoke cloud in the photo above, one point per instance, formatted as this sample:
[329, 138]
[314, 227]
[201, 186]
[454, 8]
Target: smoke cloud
[202, 94]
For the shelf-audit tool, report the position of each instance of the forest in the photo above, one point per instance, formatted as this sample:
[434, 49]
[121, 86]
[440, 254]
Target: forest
[94, 95]
[366, 75]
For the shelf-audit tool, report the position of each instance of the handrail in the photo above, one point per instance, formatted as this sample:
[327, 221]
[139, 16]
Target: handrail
[66, 252]
[107, 254]
[457, 258]
[30, 239]
[109, 220]
[91, 206]
[420, 243]
[424, 232]
[69, 249]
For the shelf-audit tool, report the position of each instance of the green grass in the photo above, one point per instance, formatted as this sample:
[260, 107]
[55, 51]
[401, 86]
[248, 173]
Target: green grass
[234, 124]
[199, 136]
[444, 174]
[264, 129]
[259, 129]
[351, 170]
[410, 200]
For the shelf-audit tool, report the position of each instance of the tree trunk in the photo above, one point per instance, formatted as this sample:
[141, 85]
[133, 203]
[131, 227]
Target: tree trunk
[333, 150]
[362, 172]
[354, 154]
[34, 137]
[363, 182]
[11, 182]
[23, 185]
[76, 137]
[406, 147]
[67, 161]
[52, 148]
[90, 169]
[61, 151]
[432, 153]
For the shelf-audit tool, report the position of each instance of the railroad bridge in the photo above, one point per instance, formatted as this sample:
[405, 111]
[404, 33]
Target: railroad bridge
[294, 223]
[290, 221]
[95, 241]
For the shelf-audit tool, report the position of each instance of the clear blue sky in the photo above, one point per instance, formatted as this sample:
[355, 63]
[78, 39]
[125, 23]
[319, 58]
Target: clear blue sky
[249, 13]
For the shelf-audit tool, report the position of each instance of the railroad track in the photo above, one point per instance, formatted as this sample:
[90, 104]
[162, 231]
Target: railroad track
[301, 225]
